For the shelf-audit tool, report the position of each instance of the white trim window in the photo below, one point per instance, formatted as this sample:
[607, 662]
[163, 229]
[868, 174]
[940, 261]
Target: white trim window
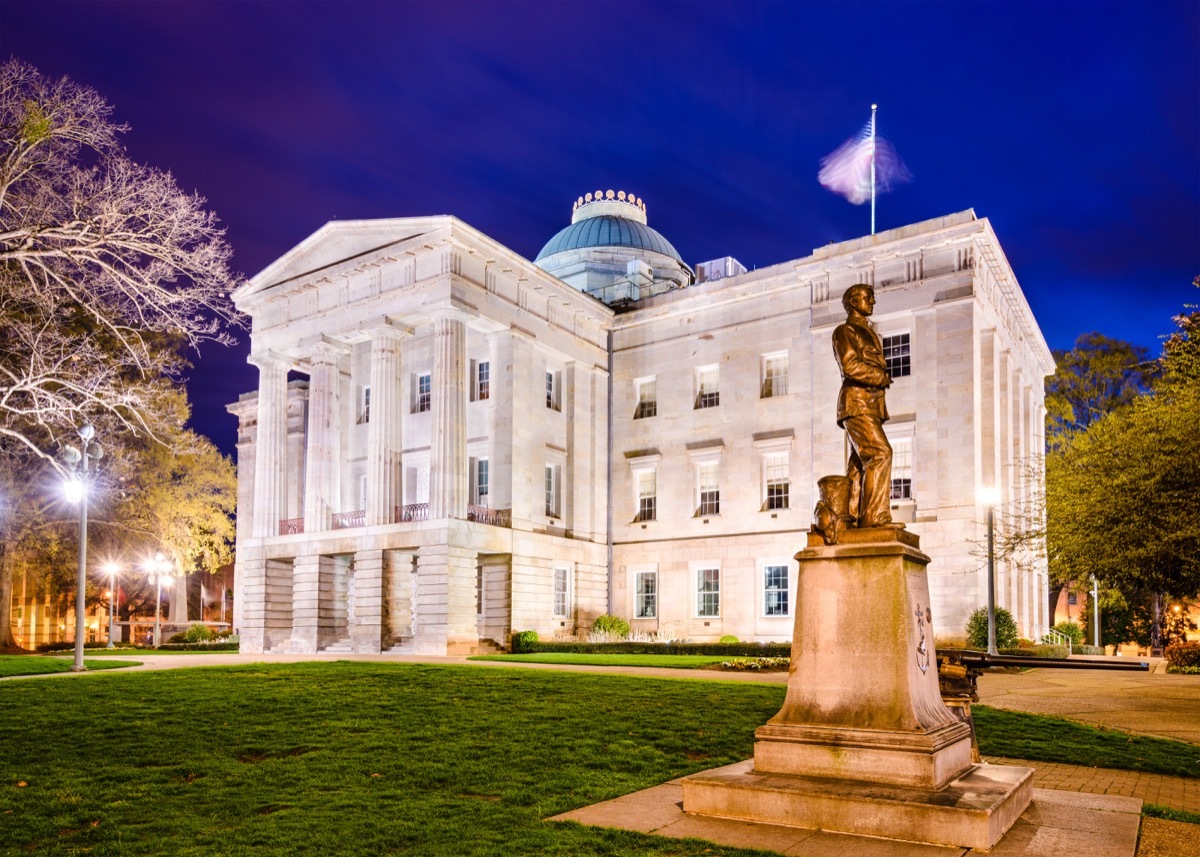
[479, 481]
[562, 592]
[422, 393]
[776, 597]
[647, 398]
[647, 494]
[553, 491]
[708, 387]
[774, 375]
[708, 488]
[902, 467]
[708, 592]
[897, 354]
[481, 380]
[645, 595]
[364, 404]
[553, 390]
[776, 482]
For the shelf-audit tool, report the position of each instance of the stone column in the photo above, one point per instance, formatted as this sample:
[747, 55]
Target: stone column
[448, 483]
[384, 428]
[321, 495]
[366, 624]
[270, 446]
[252, 608]
[445, 615]
[306, 602]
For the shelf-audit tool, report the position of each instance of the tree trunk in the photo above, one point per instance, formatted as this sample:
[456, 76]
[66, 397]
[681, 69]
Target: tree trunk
[8, 643]
[1052, 607]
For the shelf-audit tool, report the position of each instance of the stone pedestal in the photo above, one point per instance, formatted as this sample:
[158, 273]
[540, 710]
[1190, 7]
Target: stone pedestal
[863, 743]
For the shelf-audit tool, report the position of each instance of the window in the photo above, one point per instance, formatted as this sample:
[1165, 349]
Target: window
[423, 394]
[552, 486]
[774, 375]
[645, 595]
[901, 468]
[647, 495]
[708, 592]
[775, 590]
[479, 481]
[481, 380]
[647, 398]
[562, 581]
[708, 394]
[553, 399]
[896, 355]
[364, 404]
[710, 488]
[1072, 599]
[775, 479]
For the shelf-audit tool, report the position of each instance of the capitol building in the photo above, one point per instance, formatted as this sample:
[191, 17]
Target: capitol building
[450, 443]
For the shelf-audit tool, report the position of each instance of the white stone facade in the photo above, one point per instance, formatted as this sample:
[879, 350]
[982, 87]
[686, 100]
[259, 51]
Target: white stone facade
[393, 498]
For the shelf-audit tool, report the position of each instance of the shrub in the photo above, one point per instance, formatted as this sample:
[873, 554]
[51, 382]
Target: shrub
[732, 650]
[1006, 629]
[729, 638]
[523, 640]
[198, 633]
[1088, 650]
[203, 646]
[1183, 657]
[1072, 631]
[612, 625]
[1041, 650]
[756, 664]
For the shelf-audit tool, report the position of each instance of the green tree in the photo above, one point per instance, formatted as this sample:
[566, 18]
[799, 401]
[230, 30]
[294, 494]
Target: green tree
[1006, 629]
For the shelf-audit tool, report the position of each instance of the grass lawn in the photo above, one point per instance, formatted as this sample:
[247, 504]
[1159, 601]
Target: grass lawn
[369, 758]
[685, 662]
[42, 664]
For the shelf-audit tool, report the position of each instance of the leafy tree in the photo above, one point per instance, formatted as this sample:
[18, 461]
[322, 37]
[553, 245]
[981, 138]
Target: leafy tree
[107, 272]
[1006, 629]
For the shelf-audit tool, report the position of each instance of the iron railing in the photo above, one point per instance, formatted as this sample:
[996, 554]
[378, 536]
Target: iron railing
[291, 526]
[346, 520]
[412, 512]
[492, 517]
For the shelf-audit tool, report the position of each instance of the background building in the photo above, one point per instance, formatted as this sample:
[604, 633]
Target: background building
[450, 442]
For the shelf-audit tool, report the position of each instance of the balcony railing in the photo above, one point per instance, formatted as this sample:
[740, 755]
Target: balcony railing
[492, 517]
[291, 526]
[346, 520]
[412, 512]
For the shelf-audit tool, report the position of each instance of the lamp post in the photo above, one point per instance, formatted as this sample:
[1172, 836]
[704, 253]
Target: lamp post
[111, 568]
[77, 460]
[158, 568]
[990, 496]
[1095, 612]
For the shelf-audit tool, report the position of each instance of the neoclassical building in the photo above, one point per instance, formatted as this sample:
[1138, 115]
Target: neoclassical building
[450, 442]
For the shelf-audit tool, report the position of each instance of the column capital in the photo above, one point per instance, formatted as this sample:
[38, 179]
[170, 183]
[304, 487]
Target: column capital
[324, 349]
[450, 313]
[385, 327]
[268, 359]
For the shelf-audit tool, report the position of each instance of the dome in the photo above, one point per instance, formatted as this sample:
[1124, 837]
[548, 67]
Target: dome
[608, 230]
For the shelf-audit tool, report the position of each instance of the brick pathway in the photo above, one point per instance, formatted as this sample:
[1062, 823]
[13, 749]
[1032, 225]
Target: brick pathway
[1175, 792]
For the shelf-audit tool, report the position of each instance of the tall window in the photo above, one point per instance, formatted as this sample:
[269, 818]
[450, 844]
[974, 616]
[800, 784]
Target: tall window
[710, 488]
[645, 595]
[424, 393]
[364, 404]
[647, 399]
[774, 375]
[708, 592]
[775, 479]
[901, 468]
[481, 381]
[479, 476]
[553, 395]
[896, 355]
[562, 591]
[552, 499]
[775, 590]
[708, 393]
[647, 488]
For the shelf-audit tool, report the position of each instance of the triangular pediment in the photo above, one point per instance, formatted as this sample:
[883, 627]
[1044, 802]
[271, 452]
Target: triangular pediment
[335, 243]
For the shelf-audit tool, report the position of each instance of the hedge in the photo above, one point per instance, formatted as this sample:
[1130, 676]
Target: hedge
[1183, 657]
[215, 646]
[1041, 650]
[70, 647]
[522, 645]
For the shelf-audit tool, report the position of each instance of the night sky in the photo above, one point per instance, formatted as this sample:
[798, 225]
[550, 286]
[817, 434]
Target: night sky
[1073, 127]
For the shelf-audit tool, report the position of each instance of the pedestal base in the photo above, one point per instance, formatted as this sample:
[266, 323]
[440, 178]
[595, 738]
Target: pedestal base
[972, 811]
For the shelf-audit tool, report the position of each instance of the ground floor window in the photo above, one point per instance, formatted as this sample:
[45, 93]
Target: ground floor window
[708, 592]
[775, 590]
[562, 593]
[645, 595]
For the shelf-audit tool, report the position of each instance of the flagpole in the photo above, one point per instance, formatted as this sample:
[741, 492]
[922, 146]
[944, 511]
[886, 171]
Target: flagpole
[873, 169]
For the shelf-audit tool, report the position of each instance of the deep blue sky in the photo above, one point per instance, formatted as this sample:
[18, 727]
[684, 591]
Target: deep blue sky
[1073, 127]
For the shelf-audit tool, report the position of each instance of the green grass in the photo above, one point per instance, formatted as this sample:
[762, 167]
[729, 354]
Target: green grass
[1017, 735]
[1155, 810]
[686, 662]
[362, 758]
[11, 665]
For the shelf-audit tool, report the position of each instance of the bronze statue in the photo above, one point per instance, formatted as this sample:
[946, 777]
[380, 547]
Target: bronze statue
[861, 409]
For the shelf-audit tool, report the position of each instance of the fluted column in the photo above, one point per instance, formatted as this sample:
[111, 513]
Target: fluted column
[270, 446]
[324, 438]
[383, 429]
[448, 482]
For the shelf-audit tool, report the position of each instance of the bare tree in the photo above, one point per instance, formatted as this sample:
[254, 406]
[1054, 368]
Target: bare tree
[108, 272]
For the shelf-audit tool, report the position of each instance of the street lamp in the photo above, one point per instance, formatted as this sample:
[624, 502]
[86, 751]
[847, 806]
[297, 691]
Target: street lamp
[1095, 612]
[990, 496]
[77, 489]
[158, 568]
[111, 568]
